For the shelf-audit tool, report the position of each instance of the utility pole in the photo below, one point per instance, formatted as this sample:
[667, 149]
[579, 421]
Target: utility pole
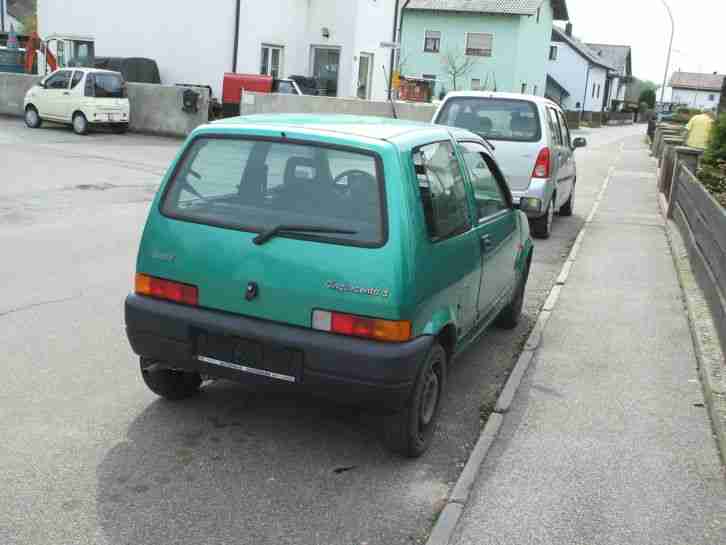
[670, 50]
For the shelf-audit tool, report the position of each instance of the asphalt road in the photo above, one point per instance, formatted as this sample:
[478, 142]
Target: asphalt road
[89, 455]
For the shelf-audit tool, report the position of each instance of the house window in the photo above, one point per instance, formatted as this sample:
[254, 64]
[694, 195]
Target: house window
[711, 97]
[594, 88]
[429, 77]
[479, 44]
[271, 60]
[554, 52]
[476, 84]
[432, 43]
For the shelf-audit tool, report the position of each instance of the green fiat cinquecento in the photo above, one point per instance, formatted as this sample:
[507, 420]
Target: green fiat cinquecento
[351, 257]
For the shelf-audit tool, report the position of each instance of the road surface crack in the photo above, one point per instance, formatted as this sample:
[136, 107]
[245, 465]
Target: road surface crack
[39, 304]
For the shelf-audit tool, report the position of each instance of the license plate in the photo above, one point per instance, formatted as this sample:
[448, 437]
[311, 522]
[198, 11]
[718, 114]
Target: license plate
[111, 117]
[250, 357]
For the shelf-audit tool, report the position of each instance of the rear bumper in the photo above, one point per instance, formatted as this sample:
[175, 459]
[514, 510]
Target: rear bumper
[346, 369]
[538, 189]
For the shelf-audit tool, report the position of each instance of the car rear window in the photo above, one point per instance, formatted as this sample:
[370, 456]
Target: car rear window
[108, 86]
[493, 118]
[256, 185]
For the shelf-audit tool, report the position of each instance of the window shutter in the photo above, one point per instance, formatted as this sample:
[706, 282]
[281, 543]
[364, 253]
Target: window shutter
[479, 44]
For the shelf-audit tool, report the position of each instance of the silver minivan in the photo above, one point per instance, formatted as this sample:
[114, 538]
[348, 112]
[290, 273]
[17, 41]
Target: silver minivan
[533, 147]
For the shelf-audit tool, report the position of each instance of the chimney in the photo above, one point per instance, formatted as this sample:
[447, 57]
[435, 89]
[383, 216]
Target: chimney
[568, 29]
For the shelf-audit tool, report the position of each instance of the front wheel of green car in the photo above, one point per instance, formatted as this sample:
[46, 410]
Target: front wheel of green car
[170, 384]
[410, 431]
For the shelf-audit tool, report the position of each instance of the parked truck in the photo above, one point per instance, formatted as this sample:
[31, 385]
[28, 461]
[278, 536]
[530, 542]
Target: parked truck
[234, 84]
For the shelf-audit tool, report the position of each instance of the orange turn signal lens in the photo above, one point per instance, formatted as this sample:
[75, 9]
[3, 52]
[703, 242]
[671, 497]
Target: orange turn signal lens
[359, 326]
[166, 289]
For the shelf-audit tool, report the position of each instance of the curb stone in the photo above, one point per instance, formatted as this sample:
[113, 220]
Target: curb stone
[703, 332]
[447, 522]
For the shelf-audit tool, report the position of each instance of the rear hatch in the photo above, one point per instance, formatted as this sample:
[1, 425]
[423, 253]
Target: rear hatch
[227, 191]
[108, 90]
[511, 125]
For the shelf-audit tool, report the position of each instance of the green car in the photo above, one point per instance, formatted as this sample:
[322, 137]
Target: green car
[350, 257]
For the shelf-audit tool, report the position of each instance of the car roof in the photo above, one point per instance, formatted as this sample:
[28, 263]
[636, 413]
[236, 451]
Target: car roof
[377, 128]
[495, 94]
[90, 70]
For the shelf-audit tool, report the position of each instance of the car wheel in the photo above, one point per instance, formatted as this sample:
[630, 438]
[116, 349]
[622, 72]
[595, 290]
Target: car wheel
[542, 226]
[410, 431]
[170, 384]
[121, 128]
[80, 124]
[509, 316]
[569, 206]
[32, 118]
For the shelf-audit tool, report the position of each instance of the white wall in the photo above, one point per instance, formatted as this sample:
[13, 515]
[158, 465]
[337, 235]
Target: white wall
[696, 99]
[195, 45]
[571, 71]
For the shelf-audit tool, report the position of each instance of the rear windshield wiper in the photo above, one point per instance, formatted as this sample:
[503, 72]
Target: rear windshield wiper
[264, 236]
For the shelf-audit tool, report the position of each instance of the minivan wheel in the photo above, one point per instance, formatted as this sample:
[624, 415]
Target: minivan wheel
[542, 226]
[170, 384]
[567, 208]
[410, 431]
[509, 316]
[32, 118]
[80, 124]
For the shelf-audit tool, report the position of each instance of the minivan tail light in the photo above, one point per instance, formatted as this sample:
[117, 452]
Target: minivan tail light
[542, 166]
[360, 326]
[166, 289]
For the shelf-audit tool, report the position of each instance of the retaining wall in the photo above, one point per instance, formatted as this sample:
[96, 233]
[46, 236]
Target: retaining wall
[261, 103]
[702, 222]
[12, 92]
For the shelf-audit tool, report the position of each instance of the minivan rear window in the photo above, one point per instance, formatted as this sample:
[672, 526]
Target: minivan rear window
[257, 185]
[108, 86]
[493, 118]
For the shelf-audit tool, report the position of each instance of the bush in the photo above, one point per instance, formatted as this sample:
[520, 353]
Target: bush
[717, 146]
[712, 173]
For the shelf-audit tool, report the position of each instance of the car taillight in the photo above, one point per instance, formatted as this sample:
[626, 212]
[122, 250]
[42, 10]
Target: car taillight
[166, 289]
[542, 166]
[359, 326]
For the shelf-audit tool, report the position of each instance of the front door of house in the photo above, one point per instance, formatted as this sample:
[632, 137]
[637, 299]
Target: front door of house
[326, 64]
[365, 75]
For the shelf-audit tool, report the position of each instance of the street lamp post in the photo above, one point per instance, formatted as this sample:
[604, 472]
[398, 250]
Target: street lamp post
[670, 49]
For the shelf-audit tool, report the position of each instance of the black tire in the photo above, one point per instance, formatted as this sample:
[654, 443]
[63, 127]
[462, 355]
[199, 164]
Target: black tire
[32, 118]
[170, 384]
[542, 226]
[121, 128]
[80, 124]
[567, 208]
[410, 431]
[511, 314]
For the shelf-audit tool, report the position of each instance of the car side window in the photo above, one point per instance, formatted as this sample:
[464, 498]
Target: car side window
[554, 126]
[77, 77]
[59, 80]
[442, 189]
[489, 196]
[565, 130]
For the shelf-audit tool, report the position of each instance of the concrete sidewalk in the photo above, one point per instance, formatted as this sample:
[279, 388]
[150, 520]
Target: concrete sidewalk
[607, 441]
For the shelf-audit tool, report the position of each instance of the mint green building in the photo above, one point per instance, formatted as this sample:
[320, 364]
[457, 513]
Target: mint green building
[463, 45]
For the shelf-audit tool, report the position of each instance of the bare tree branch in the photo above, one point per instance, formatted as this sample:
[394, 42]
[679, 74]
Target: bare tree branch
[457, 65]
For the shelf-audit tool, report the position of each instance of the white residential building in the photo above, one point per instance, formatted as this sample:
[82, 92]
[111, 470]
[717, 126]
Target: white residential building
[702, 91]
[577, 77]
[338, 41]
[620, 80]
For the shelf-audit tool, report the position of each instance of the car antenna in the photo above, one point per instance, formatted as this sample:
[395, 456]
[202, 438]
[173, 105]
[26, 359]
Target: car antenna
[390, 95]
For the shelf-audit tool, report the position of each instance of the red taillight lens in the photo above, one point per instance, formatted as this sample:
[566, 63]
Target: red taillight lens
[166, 289]
[542, 166]
[359, 326]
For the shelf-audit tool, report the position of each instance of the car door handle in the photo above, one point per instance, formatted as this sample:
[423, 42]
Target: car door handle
[486, 243]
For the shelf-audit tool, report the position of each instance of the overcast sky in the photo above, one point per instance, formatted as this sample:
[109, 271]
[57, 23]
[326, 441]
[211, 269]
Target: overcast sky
[700, 42]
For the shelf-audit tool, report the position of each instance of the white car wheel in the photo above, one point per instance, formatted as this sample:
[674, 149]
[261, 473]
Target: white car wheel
[32, 119]
[80, 124]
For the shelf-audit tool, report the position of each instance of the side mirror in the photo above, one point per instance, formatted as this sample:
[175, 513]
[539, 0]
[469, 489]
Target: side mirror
[41, 83]
[579, 142]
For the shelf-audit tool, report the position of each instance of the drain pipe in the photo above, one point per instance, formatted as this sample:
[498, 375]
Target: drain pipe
[236, 37]
[393, 53]
[2, 15]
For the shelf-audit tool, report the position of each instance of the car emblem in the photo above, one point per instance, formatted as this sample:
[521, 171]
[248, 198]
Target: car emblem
[252, 291]
[348, 288]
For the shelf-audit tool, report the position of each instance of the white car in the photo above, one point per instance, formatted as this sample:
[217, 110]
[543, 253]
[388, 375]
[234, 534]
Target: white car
[533, 147]
[81, 97]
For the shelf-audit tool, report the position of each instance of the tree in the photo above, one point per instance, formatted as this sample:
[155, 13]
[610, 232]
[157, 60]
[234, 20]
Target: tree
[648, 96]
[456, 66]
